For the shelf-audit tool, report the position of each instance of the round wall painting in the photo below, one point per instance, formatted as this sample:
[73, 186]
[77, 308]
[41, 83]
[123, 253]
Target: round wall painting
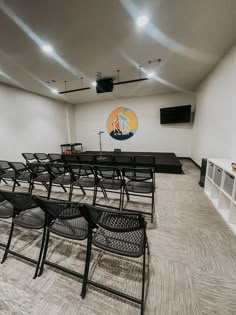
[122, 123]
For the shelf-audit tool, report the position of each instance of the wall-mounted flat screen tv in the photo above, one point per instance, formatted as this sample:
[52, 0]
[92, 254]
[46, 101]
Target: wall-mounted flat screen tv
[176, 115]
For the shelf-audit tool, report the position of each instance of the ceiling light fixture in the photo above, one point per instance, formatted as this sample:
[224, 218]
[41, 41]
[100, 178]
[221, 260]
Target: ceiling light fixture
[47, 49]
[142, 21]
[54, 91]
[94, 83]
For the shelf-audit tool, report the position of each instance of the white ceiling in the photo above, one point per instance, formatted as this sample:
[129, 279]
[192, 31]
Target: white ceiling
[90, 36]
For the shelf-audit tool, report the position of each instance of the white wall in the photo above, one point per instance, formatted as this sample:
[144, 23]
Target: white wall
[214, 131]
[90, 118]
[30, 123]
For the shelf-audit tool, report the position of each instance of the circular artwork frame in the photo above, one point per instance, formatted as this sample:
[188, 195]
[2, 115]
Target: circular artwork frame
[122, 123]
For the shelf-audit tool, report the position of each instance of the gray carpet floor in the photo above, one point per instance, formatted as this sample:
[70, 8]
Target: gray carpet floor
[192, 266]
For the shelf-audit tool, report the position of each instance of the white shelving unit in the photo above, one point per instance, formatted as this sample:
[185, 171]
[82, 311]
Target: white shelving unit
[220, 187]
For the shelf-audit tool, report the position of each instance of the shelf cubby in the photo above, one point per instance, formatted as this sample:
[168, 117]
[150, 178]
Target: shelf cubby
[220, 187]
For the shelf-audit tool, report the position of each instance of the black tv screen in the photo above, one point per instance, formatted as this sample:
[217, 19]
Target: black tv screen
[176, 115]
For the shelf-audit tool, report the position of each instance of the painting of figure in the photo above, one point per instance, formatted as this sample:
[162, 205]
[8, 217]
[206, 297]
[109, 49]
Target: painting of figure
[122, 123]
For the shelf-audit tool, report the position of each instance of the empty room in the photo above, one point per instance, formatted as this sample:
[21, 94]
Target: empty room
[117, 157]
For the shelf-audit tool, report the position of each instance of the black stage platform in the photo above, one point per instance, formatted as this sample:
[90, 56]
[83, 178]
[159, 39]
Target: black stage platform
[164, 162]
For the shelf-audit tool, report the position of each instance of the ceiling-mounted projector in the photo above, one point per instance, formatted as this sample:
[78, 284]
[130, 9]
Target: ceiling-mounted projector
[104, 85]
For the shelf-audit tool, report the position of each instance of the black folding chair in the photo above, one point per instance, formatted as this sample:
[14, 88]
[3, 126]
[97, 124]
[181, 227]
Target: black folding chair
[28, 215]
[7, 174]
[104, 159]
[6, 211]
[55, 157]
[70, 158]
[29, 158]
[22, 174]
[84, 177]
[123, 161]
[119, 232]
[86, 159]
[41, 157]
[41, 176]
[66, 220]
[140, 182]
[109, 181]
[59, 177]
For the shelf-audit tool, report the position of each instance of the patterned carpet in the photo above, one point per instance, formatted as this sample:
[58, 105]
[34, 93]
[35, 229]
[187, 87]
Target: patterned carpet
[192, 267]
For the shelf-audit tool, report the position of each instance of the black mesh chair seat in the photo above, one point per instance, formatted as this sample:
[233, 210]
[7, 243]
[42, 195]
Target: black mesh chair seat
[114, 184]
[139, 187]
[62, 180]
[24, 176]
[8, 174]
[123, 243]
[31, 218]
[85, 182]
[42, 178]
[76, 229]
[6, 209]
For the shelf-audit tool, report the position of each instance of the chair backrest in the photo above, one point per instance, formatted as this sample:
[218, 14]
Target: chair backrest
[41, 157]
[4, 166]
[55, 157]
[144, 160]
[70, 158]
[86, 159]
[104, 159]
[37, 168]
[57, 169]
[138, 174]
[20, 200]
[18, 167]
[107, 171]
[29, 157]
[121, 160]
[59, 209]
[112, 220]
[78, 170]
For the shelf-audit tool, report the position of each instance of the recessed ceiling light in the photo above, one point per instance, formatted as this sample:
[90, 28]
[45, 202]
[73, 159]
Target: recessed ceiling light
[142, 21]
[151, 75]
[94, 83]
[55, 91]
[47, 49]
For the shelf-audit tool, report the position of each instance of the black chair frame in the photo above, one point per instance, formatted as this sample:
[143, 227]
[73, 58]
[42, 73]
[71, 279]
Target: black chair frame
[83, 171]
[25, 204]
[96, 218]
[107, 175]
[128, 193]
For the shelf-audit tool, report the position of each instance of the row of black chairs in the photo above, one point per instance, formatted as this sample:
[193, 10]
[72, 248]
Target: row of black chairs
[119, 232]
[125, 181]
[114, 160]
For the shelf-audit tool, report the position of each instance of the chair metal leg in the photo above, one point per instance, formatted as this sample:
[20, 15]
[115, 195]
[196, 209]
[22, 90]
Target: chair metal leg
[8, 242]
[31, 186]
[71, 191]
[143, 282]
[14, 185]
[45, 253]
[94, 194]
[153, 204]
[4, 181]
[49, 190]
[121, 199]
[40, 253]
[87, 264]
[63, 188]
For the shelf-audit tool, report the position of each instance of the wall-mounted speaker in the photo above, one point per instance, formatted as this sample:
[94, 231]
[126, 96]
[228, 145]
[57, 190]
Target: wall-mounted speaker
[104, 85]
